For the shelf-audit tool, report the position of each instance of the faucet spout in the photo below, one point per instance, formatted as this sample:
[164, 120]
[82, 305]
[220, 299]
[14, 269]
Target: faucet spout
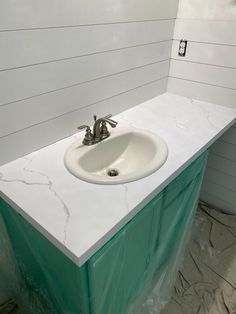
[100, 130]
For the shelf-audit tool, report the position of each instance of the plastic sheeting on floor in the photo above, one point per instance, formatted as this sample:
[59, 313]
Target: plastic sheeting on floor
[143, 254]
[9, 307]
[206, 282]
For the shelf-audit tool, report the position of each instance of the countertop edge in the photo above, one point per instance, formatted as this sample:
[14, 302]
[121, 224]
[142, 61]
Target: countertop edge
[109, 234]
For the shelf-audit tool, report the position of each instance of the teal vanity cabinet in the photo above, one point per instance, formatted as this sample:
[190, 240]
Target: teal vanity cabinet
[144, 252]
[51, 283]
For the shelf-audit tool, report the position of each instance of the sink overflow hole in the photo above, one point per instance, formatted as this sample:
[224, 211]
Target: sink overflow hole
[113, 173]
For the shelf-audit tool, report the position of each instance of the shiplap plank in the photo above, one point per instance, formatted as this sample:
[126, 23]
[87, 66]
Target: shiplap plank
[51, 105]
[197, 90]
[207, 53]
[218, 32]
[209, 74]
[61, 60]
[224, 150]
[222, 164]
[37, 136]
[219, 191]
[30, 81]
[22, 48]
[207, 9]
[47, 13]
[215, 176]
[230, 136]
[220, 203]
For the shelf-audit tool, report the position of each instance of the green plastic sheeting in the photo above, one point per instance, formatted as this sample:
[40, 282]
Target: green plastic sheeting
[51, 280]
[144, 254]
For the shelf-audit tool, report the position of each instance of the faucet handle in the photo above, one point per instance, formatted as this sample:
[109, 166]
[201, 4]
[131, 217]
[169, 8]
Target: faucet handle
[106, 117]
[82, 127]
[88, 138]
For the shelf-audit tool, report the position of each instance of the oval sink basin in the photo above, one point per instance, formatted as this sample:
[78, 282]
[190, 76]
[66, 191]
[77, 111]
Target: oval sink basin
[125, 156]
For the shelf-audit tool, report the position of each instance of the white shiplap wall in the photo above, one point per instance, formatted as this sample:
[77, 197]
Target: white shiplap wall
[61, 62]
[208, 72]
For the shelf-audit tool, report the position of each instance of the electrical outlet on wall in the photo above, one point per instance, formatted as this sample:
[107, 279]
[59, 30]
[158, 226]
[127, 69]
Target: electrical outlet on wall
[182, 48]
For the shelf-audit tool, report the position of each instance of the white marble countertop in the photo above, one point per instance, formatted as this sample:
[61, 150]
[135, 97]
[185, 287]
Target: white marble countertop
[79, 217]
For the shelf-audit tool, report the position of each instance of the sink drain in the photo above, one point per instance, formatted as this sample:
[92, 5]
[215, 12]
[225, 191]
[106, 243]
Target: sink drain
[113, 173]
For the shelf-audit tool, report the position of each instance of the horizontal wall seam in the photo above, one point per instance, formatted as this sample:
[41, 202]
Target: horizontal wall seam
[89, 105]
[216, 196]
[220, 185]
[84, 82]
[85, 55]
[229, 159]
[227, 143]
[206, 20]
[204, 83]
[84, 25]
[205, 42]
[203, 63]
[221, 171]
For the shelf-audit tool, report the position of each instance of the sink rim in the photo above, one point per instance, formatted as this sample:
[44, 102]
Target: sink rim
[156, 163]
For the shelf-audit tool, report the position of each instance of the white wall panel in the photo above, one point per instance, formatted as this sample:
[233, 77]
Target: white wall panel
[209, 10]
[197, 90]
[30, 81]
[219, 185]
[220, 201]
[51, 105]
[47, 132]
[27, 47]
[230, 136]
[62, 61]
[219, 191]
[22, 14]
[211, 54]
[205, 31]
[217, 177]
[225, 150]
[208, 72]
[222, 164]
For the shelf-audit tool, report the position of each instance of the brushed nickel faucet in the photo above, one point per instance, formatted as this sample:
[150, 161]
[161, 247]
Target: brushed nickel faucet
[100, 130]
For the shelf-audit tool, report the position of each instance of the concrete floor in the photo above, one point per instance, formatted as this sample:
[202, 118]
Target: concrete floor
[206, 282]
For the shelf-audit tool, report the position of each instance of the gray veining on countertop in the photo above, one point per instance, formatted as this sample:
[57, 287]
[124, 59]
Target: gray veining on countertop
[61, 207]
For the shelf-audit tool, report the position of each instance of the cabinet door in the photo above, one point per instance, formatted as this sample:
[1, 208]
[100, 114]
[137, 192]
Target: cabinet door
[175, 224]
[117, 272]
[147, 249]
[49, 281]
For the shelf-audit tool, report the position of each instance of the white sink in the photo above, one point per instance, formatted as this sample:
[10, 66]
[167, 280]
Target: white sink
[127, 155]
